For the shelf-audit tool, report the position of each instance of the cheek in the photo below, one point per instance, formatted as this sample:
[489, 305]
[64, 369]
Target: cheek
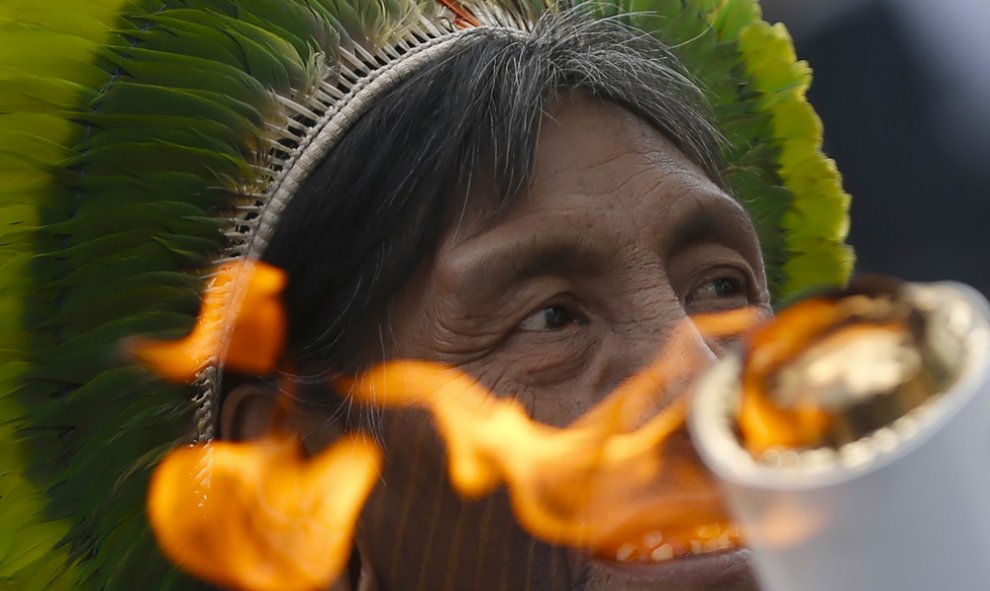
[418, 533]
[401, 510]
[435, 333]
[552, 391]
[560, 375]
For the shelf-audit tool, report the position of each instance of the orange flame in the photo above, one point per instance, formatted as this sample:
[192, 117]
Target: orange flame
[605, 480]
[255, 516]
[270, 520]
[259, 516]
[764, 424]
[258, 333]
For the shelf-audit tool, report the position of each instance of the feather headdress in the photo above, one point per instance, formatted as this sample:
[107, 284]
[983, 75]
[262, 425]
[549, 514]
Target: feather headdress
[143, 141]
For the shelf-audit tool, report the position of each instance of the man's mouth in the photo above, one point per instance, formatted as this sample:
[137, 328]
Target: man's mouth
[721, 569]
[657, 546]
[700, 557]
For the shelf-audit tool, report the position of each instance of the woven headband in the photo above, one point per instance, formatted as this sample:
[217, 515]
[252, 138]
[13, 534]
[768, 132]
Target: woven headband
[333, 114]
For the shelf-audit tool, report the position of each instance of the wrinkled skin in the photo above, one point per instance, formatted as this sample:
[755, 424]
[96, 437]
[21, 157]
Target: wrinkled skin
[617, 238]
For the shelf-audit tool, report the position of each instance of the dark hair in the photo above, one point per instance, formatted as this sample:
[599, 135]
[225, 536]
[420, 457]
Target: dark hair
[374, 208]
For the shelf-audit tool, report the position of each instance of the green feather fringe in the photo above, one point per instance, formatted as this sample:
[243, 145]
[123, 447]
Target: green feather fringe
[776, 168]
[123, 133]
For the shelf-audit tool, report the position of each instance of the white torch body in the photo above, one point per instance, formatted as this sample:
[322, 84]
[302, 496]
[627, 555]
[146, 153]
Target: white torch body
[905, 508]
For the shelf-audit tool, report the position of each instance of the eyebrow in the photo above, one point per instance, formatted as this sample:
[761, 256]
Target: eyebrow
[711, 223]
[700, 226]
[545, 255]
[526, 259]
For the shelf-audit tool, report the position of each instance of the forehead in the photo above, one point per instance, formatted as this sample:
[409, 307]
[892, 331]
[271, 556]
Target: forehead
[598, 165]
[587, 141]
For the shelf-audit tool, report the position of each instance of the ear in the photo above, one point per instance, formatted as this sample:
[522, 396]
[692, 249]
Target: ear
[247, 411]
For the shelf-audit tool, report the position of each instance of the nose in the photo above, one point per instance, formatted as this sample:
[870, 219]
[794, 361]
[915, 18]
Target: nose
[663, 339]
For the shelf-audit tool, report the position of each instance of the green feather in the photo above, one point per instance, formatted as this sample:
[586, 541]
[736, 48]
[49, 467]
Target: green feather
[816, 223]
[106, 145]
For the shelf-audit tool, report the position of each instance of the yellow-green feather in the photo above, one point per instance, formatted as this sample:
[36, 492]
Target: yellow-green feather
[816, 221]
[36, 137]
[124, 125]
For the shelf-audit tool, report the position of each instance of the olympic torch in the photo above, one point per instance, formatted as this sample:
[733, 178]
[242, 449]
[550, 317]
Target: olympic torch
[852, 439]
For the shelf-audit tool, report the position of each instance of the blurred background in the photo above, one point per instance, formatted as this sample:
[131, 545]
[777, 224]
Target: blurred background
[903, 88]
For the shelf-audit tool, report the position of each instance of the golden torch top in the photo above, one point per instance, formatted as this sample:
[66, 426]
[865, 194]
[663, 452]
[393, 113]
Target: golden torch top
[834, 369]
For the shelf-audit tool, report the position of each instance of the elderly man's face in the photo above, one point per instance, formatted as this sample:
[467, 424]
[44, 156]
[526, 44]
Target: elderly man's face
[616, 240]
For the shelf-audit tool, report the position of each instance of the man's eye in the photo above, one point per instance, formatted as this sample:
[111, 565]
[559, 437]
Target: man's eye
[553, 317]
[723, 287]
[723, 292]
